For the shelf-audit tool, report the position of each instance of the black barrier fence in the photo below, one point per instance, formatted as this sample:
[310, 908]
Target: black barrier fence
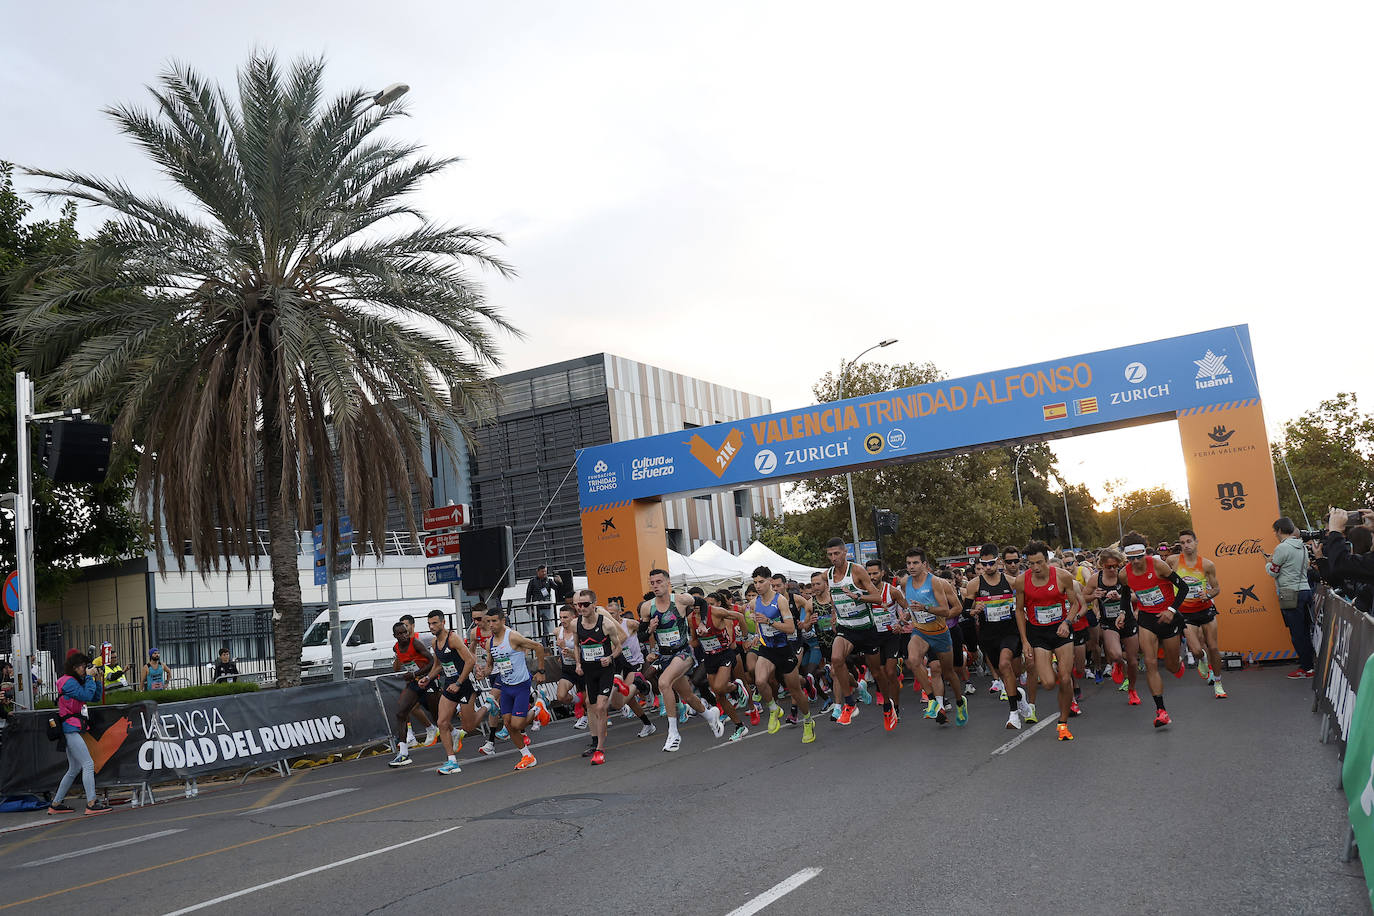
[148, 742]
[1347, 640]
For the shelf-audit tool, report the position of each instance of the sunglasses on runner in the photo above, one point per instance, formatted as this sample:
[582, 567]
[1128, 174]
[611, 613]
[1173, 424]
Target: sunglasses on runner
[1111, 565]
[987, 562]
[584, 604]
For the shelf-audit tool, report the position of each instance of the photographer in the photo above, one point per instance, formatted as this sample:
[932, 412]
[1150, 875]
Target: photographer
[1288, 566]
[1346, 561]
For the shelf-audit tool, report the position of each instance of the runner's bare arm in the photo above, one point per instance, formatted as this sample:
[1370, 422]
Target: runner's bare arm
[469, 659]
[1213, 584]
[1019, 586]
[613, 630]
[786, 623]
[871, 593]
[525, 644]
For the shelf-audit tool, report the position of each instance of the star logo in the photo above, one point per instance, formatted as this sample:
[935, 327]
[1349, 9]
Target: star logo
[1244, 593]
[1211, 366]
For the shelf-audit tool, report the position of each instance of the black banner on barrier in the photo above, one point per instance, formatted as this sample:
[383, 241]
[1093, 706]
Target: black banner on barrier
[1347, 640]
[152, 742]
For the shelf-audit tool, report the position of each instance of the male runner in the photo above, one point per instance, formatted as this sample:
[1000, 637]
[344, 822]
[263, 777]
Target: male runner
[672, 660]
[772, 613]
[1158, 593]
[886, 615]
[1044, 594]
[452, 670]
[1199, 613]
[1120, 632]
[931, 602]
[992, 598]
[629, 665]
[412, 658]
[852, 591]
[569, 684]
[510, 674]
[599, 638]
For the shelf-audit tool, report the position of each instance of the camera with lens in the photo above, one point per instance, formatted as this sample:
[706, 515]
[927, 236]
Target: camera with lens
[1311, 535]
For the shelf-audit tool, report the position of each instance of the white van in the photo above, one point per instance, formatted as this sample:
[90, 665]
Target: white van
[367, 639]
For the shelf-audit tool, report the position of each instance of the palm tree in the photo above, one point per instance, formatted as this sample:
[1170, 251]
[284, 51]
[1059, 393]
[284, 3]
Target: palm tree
[294, 332]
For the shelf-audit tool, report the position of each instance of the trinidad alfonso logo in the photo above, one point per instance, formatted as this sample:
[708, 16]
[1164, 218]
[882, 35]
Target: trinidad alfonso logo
[600, 467]
[1212, 371]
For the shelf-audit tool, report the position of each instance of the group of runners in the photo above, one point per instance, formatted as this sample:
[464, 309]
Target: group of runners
[854, 634]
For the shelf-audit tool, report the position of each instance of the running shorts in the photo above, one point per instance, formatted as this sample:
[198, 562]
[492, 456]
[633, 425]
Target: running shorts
[515, 699]
[811, 654]
[1162, 630]
[865, 642]
[1092, 619]
[621, 666]
[1080, 637]
[1200, 618]
[458, 691]
[938, 642]
[1046, 638]
[1128, 626]
[893, 646]
[661, 663]
[569, 674]
[599, 678]
[414, 687]
[718, 660]
[993, 638]
[784, 659]
[956, 639]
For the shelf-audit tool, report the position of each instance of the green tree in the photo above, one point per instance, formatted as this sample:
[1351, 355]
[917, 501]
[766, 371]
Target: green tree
[1153, 512]
[295, 331]
[791, 536]
[72, 524]
[1330, 450]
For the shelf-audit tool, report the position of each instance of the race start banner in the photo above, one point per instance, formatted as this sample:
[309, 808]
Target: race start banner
[155, 742]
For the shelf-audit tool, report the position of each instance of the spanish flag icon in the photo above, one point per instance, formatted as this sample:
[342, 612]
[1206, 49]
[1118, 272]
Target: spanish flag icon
[1056, 411]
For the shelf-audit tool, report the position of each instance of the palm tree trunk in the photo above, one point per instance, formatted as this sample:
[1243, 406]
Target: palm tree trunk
[288, 623]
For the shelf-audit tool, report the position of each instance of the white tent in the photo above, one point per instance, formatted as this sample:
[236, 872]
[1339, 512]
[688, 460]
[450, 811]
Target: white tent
[686, 571]
[756, 554]
[712, 554]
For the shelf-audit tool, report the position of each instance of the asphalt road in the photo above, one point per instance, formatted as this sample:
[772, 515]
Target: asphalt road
[1233, 809]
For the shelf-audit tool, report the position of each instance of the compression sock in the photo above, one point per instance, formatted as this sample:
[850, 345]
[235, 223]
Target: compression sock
[1159, 701]
[1012, 699]
[643, 718]
[672, 726]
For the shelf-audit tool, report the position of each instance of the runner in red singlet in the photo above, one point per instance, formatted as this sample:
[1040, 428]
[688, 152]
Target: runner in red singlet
[1047, 604]
[1158, 593]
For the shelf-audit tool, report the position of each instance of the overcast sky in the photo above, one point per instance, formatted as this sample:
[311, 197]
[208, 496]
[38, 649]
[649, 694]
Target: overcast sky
[750, 192]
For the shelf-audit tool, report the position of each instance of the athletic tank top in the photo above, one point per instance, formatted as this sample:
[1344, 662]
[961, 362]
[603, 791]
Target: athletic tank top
[771, 636]
[507, 665]
[1152, 594]
[1196, 578]
[1044, 603]
[713, 639]
[567, 643]
[631, 649]
[925, 621]
[850, 613]
[595, 641]
[410, 657]
[884, 615]
[157, 678]
[995, 603]
[825, 617]
[1110, 610]
[450, 662]
[671, 634]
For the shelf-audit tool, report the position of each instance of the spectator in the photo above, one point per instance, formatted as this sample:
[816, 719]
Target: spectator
[541, 588]
[1288, 566]
[226, 669]
[116, 678]
[74, 690]
[155, 674]
[36, 678]
[1346, 561]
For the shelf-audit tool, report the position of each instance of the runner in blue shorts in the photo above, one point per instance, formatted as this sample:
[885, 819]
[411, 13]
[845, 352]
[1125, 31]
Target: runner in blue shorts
[510, 674]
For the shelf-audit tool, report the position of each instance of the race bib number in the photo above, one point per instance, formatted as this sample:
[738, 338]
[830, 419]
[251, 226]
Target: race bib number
[920, 616]
[766, 630]
[450, 669]
[668, 638]
[1197, 591]
[1150, 597]
[882, 619]
[998, 610]
[502, 666]
[825, 622]
[593, 653]
[1046, 614]
[412, 668]
[710, 643]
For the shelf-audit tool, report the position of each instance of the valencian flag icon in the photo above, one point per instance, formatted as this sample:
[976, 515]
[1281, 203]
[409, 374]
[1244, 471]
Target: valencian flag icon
[1084, 405]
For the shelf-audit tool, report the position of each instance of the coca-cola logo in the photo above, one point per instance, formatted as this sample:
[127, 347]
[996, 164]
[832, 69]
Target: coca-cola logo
[609, 569]
[1247, 547]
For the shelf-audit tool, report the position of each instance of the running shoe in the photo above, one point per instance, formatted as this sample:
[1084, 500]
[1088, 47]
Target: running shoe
[648, 729]
[431, 737]
[1097, 675]
[1023, 708]
[753, 715]
[757, 697]
[1021, 679]
[487, 750]
[1162, 718]
[809, 686]
[996, 687]
[400, 760]
[791, 717]
[544, 717]
[1075, 709]
[502, 735]
[61, 809]
[741, 697]
[1132, 698]
[1124, 686]
[626, 712]
[449, 768]
[1204, 668]
[829, 708]
[941, 717]
[673, 743]
[1179, 672]
[878, 698]
[847, 714]
[1118, 672]
[774, 720]
[864, 695]
[458, 736]
[683, 713]
[526, 761]
[889, 718]
[835, 711]
[598, 758]
[581, 723]
[99, 806]
[808, 730]
[1218, 690]
[739, 732]
[1031, 717]
[713, 720]
[591, 749]
[1297, 674]
[969, 689]
[1064, 733]
[528, 742]
[932, 709]
[1013, 720]
[961, 712]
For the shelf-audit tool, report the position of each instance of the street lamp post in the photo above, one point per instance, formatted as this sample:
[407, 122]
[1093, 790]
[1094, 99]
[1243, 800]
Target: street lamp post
[1016, 472]
[849, 478]
[1064, 492]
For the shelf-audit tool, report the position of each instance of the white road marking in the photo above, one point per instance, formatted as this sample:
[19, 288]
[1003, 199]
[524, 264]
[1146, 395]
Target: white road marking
[48, 823]
[85, 852]
[296, 801]
[1051, 718]
[728, 743]
[309, 871]
[776, 892]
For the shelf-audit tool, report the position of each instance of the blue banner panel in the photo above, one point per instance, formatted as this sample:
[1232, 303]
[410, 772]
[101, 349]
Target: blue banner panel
[1075, 395]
